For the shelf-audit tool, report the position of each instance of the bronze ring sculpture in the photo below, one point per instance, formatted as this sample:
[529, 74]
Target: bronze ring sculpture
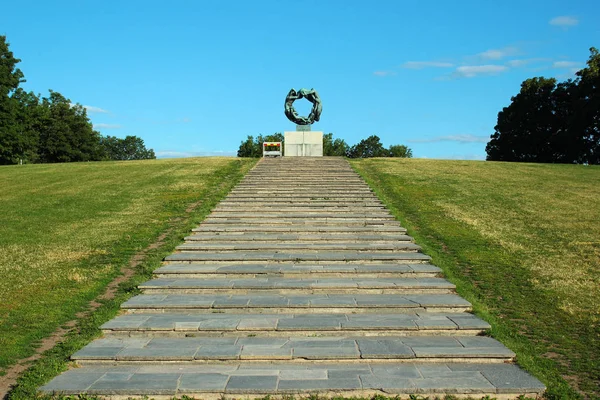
[310, 95]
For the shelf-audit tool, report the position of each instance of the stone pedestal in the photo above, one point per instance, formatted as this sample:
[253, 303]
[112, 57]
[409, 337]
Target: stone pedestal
[303, 144]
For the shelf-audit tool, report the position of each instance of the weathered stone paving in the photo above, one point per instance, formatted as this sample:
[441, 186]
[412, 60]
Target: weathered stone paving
[300, 281]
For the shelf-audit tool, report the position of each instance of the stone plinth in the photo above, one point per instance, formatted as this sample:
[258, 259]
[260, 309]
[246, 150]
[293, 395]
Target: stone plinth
[303, 144]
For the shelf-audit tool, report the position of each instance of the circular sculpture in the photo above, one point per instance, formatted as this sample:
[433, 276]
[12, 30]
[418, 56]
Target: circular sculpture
[310, 95]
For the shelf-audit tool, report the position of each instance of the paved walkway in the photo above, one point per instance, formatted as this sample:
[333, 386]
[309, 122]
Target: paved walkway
[300, 281]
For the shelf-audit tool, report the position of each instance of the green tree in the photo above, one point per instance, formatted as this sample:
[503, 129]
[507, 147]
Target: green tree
[526, 129]
[587, 108]
[10, 78]
[400, 150]
[252, 147]
[331, 147]
[366, 148]
[130, 148]
[28, 123]
[552, 122]
[66, 133]
[247, 148]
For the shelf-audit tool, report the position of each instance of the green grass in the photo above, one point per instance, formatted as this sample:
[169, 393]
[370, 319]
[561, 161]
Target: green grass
[522, 243]
[66, 230]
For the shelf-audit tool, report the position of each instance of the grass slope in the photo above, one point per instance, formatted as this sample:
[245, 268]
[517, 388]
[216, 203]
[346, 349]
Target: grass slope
[522, 243]
[67, 229]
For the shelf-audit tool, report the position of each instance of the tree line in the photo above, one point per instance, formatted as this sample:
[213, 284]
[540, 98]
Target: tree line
[35, 129]
[552, 122]
[369, 147]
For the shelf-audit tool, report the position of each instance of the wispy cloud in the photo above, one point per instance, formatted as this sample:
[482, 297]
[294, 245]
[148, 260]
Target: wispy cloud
[384, 73]
[183, 154]
[497, 54]
[564, 21]
[107, 126]
[565, 64]
[426, 64]
[460, 138]
[525, 61]
[471, 71]
[92, 109]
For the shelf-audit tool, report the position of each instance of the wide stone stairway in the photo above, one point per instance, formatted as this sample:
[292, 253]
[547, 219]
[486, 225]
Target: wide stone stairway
[300, 281]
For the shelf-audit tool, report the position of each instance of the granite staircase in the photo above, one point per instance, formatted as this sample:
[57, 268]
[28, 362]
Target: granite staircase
[300, 281]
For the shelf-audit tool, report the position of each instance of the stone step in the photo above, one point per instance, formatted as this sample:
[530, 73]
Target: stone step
[303, 197]
[361, 349]
[332, 181]
[317, 190]
[325, 180]
[297, 246]
[290, 186]
[318, 187]
[280, 285]
[177, 324]
[305, 256]
[292, 183]
[302, 229]
[304, 193]
[283, 269]
[303, 201]
[340, 237]
[301, 303]
[212, 380]
[291, 211]
[270, 204]
[303, 214]
[340, 221]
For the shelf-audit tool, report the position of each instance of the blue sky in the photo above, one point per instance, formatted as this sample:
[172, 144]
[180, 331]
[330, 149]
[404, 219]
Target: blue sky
[196, 77]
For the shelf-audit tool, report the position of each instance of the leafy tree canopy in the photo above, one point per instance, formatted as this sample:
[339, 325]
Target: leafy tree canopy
[253, 147]
[552, 122]
[370, 147]
[10, 75]
[334, 147]
[130, 148]
[51, 129]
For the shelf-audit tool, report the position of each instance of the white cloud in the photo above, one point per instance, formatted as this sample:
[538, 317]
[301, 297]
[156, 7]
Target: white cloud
[92, 109]
[517, 63]
[184, 154]
[564, 21]
[107, 126]
[565, 64]
[426, 64]
[384, 73]
[471, 71]
[497, 54]
[525, 61]
[460, 138]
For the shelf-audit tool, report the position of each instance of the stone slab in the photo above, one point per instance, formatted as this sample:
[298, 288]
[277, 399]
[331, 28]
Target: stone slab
[312, 348]
[296, 283]
[293, 322]
[295, 268]
[279, 378]
[300, 256]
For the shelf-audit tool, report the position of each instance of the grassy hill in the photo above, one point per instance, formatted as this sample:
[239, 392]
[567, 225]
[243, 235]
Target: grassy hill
[66, 230]
[522, 243]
